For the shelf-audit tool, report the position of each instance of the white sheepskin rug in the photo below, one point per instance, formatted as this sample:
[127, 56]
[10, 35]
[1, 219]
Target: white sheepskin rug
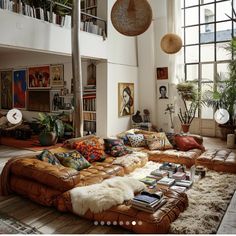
[208, 201]
[102, 196]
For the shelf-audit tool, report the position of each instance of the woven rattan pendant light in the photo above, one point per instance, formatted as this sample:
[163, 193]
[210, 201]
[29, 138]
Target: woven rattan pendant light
[171, 43]
[131, 17]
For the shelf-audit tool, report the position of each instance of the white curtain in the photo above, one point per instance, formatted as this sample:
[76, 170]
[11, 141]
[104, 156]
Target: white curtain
[176, 61]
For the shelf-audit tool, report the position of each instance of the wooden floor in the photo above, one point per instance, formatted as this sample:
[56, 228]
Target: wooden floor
[50, 221]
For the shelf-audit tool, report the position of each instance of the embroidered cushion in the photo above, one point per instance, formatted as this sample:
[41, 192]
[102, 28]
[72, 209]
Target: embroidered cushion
[116, 148]
[185, 143]
[49, 157]
[137, 140]
[73, 160]
[91, 149]
[158, 141]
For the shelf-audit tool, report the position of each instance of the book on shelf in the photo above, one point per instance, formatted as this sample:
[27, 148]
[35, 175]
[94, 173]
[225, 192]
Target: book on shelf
[159, 173]
[148, 180]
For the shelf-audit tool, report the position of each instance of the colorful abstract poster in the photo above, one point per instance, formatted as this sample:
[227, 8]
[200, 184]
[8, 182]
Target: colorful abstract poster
[19, 88]
[6, 89]
[39, 77]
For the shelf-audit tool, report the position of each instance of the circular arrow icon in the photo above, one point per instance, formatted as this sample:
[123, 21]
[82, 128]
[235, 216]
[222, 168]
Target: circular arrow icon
[14, 116]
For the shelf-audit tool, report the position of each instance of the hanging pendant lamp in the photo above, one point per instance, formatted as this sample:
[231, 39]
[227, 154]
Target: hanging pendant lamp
[171, 43]
[131, 17]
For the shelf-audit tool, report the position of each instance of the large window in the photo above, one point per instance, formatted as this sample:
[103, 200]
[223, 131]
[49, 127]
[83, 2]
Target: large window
[207, 29]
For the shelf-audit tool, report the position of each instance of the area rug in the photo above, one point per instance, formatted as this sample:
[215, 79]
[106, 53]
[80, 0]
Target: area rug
[9, 225]
[31, 144]
[208, 201]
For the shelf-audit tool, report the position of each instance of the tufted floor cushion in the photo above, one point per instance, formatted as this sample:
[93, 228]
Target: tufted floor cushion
[218, 160]
[180, 157]
[133, 219]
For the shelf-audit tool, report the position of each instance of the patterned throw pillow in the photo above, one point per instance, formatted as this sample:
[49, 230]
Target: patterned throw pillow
[115, 147]
[49, 157]
[158, 141]
[91, 149]
[73, 160]
[137, 140]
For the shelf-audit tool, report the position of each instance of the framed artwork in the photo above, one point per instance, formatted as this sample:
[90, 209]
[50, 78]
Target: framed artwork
[39, 77]
[57, 75]
[163, 90]
[125, 99]
[19, 88]
[56, 102]
[6, 89]
[162, 73]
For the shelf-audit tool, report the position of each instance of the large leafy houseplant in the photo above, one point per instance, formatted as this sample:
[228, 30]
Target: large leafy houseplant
[191, 101]
[52, 128]
[224, 95]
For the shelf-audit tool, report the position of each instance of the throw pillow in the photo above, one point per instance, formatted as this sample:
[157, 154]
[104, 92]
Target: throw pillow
[118, 151]
[185, 143]
[158, 141]
[49, 157]
[137, 140]
[73, 160]
[91, 149]
[109, 143]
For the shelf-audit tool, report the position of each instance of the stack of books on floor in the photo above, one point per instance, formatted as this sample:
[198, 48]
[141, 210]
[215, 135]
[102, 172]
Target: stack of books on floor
[148, 202]
[165, 183]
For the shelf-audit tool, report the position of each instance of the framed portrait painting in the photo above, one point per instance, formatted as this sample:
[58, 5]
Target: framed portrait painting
[57, 75]
[6, 89]
[56, 101]
[19, 88]
[125, 99]
[162, 73]
[39, 77]
[163, 91]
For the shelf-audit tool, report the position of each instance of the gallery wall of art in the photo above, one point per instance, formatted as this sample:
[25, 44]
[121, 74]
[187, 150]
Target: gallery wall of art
[33, 79]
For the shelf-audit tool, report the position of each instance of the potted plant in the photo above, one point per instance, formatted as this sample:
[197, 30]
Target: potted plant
[224, 95]
[52, 128]
[191, 101]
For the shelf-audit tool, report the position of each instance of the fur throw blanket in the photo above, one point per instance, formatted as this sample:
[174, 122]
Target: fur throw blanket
[102, 196]
[130, 159]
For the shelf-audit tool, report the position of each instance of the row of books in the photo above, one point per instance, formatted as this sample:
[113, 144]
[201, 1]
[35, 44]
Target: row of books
[90, 127]
[148, 202]
[89, 116]
[89, 104]
[91, 27]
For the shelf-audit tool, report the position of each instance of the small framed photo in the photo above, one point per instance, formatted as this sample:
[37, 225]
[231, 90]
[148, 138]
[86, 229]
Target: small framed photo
[56, 101]
[57, 75]
[162, 73]
[126, 99]
[39, 77]
[163, 91]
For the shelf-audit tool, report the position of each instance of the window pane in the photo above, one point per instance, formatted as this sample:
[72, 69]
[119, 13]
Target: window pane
[192, 35]
[206, 1]
[207, 13]
[192, 54]
[207, 112]
[223, 8]
[223, 71]
[192, 72]
[191, 16]
[189, 3]
[207, 33]
[207, 52]
[221, 53]
[208, 72]
[224, 31]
